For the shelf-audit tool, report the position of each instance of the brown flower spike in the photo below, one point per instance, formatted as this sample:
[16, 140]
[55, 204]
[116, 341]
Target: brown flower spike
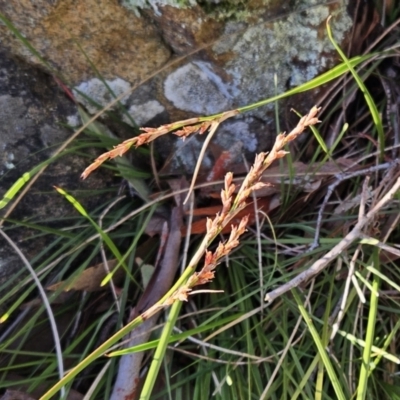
[231, 208]
[182, 129]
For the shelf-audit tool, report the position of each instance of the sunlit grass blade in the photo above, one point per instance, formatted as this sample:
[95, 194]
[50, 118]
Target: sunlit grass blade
[376, 350]
[384, 277]
[389, 339]
[320, 140]
[27, 176]
[326, 77]
[306, 378]
[20, 182]
[21, 298]
[366, 364]
[367, 284]
[90, 358]
[104, 235]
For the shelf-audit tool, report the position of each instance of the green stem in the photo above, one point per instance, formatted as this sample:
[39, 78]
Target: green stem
[160, 351]
[369, 337]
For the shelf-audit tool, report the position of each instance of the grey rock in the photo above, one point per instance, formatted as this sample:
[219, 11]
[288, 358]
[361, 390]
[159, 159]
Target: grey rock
[33, 110]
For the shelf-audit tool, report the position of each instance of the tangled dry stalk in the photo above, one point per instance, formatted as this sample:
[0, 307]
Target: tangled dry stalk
[230, 206]
[351, 237]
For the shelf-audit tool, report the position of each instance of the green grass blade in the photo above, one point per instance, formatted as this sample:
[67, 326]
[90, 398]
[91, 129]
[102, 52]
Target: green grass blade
[175, 338]
[91, 357]
[377, 351]
[312, 84]
[384, 278]
[101, 232]
[47, 306]
[160, 351]
[382, 352]
[321, 349]
[368, 98]
[369, 337]
[26, 43]
[366, 283]
[19, 183]
[27, 176]
[320, 140]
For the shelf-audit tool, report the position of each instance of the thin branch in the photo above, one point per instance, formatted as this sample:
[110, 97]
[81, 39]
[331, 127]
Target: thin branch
[322, 263]
[339, 179]
[344, 297]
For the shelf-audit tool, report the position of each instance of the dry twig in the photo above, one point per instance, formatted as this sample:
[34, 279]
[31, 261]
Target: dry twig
[339, 179]
[355, 234]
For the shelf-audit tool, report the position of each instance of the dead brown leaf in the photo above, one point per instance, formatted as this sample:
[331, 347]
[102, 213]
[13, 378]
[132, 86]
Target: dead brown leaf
[199, 227]
[90, 279]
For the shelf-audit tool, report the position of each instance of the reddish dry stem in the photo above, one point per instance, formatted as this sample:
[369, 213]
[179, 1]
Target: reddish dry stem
[229, 210]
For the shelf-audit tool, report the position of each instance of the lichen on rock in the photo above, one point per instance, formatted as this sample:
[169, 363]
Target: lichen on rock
[94, 90]
[144, 112]
[137, 4]
[295, 48]
[191, 89]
